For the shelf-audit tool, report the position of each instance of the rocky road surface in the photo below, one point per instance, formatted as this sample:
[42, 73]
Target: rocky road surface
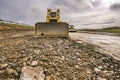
[60, 58]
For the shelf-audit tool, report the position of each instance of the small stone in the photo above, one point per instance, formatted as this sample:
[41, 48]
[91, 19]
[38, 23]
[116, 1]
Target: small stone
[97, 70]
[12, 72]
[47, 78]
[62, 58]
[2, 66]
[78, 53]
[21, 55]
[12, 79]
[89, 71]
[1, 72]
[108, 73]
[34, 63]
[2, 58]
[77, 66]
[52, 77]
[99, 78]
[100, 67]
[15, 61]
[37, 52]
[13, 65]
[22, 52]
[24, 64]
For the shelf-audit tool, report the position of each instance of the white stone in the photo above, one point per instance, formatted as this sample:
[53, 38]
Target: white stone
[3, 65]
[32, 73]
[34, 63]
[100, 67]
[77, 66]
[97, 70]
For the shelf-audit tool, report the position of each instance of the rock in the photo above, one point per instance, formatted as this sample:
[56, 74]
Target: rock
[32, 73]
[100, 67]
[34, 63]
[62, 58]
[52, 77]
[12, 72]
[47, 78]
[13, 65]
[15, 60]
[22, 55]
[97, 70]
[89, 71]
[108, 73]
[99, 78]
[12, 79]
[24, 64]
[22, 52]
[1, 72]
[37, 52]
[77, 66]
[2, 58]
[2, 66]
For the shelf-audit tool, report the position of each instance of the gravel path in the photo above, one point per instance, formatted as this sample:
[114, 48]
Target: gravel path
[61, 59]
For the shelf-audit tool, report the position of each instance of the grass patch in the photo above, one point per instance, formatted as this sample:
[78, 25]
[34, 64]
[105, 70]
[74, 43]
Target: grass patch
[109, 30]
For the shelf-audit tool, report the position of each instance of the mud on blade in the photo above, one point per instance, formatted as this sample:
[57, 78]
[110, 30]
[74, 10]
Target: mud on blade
[44, 29]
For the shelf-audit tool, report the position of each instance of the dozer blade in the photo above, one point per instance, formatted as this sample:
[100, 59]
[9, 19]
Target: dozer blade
[43, 29]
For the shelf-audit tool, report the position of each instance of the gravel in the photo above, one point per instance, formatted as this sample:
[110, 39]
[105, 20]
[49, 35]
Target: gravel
[60, 58]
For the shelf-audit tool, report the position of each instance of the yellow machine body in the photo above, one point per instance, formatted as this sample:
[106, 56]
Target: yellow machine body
[72, 29]
[53, 27]
[53, 16]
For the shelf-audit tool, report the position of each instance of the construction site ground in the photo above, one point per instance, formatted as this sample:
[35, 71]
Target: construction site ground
[60, 58]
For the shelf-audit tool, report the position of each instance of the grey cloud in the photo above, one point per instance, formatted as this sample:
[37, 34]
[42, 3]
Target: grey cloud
[14, 10]
[75, 12]
[26, 11]
[115, 7]
[96, 3]
[74, 5]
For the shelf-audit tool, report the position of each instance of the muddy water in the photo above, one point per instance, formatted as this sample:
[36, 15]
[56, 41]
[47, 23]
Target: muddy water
[108, 43]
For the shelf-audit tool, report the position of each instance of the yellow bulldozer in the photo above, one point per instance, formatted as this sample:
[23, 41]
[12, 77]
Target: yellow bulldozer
[72, 29]
[53, 27]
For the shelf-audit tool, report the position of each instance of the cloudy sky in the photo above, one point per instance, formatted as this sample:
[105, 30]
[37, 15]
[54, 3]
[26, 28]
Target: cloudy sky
[81, 13]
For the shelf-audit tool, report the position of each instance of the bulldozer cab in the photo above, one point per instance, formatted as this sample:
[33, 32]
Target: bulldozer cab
[53, 16]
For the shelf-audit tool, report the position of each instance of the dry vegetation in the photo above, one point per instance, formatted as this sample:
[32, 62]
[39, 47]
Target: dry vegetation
[8, 26]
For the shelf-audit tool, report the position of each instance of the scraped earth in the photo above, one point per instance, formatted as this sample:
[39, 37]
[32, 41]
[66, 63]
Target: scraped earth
[60, 58]
[107, 43]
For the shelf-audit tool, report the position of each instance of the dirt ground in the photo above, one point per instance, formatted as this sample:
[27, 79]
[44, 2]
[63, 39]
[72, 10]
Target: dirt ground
[60, 58]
